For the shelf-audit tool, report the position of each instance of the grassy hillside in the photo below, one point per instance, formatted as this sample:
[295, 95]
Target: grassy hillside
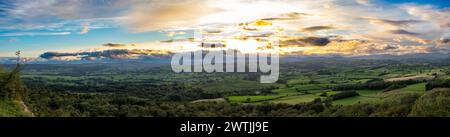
[10, 108]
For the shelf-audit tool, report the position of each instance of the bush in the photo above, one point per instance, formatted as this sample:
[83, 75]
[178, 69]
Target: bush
[394, 87]
[438, 83]
[395, 105]
[11, 86]
[435, 103]
[343, 94]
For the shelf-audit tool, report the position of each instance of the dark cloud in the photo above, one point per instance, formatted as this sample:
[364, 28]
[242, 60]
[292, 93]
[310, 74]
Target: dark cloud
[272, 19]
[107, 54]
[295, 14]
[314, 41]
[5, 7]
[212, 45]
[214, 31]
[390, 47]
[50, 55]
[316, 28]
[403, 32]
[177, 40]
[114, 45]
[444, 41]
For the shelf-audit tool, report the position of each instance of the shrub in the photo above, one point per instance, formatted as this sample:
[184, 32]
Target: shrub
[433, 104]
[343, 94]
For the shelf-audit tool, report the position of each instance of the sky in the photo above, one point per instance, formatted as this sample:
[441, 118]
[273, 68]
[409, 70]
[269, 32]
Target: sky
[75, 29]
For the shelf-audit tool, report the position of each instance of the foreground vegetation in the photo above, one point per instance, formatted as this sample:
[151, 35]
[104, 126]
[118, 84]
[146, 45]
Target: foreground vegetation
[10, 108]
[12, 93]
[432, 103]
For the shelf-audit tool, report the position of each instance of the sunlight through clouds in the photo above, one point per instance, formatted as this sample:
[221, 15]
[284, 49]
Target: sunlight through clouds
[348, 27]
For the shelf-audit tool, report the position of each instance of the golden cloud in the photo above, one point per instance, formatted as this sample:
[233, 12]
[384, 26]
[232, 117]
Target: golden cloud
[167, 15]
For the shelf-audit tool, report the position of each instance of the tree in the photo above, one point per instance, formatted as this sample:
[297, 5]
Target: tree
[11, 87]
[433, 104]
[2, 80]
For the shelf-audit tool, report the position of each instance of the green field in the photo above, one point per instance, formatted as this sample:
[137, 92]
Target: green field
[371, 96]
[209, 100]
[365, 96]
[302, 88]
[293, 95]
[233, 83]
[296, 99]
[369, 93]
[355, 100]
[420, 87]
[250, 99]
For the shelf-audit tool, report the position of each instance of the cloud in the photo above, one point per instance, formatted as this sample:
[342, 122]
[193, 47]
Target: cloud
[13, 39]
[213, 30]
[72, 25]
[364, 2]
[403, 32]
[14, 34]
[315, 41]
[316, 28]
[173, 34]
[399, 36]
[294, 15]
[380, 23]
[199, 13]
[167, 15]
[61, 15]
[287, 16]
[85, 28]
[49, 55]
[113, 45]
[396, 23]
[68, 9]
[358, 48]
[427, 12]
[443, 41]
[108, 54]
[305, 41]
